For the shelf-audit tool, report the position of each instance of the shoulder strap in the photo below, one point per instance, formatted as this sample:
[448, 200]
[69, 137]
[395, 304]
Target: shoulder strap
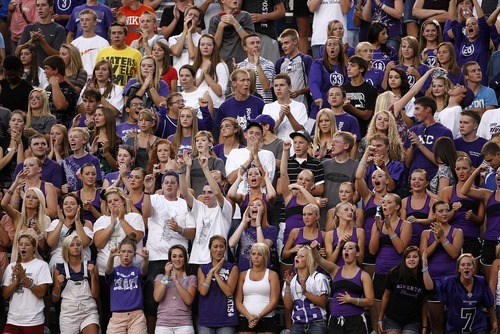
[66, 270]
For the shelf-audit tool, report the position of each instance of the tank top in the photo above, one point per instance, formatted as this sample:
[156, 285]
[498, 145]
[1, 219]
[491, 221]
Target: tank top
[422, 213]
[138, 205]
[497, 294]
[96, 203]
[468, 227]
[370, 210]
[354, 238]
[387, 256]
[256, 294]
[441, 264]
[293, 217]
[303, 241]
[342, 285]
[492, 232]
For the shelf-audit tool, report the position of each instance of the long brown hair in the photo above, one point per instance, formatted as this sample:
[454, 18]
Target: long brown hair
[153, 153]
[109, 83]
[215, 57]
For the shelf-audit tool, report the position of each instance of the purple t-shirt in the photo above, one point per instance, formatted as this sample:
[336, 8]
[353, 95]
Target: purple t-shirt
[348, 123]
[394, 27]
[124, 128]
[422, 69]
[125, 288]
[473, 149]
[104, 20]
[428, 136]
[477, 51]
[241, 110]
[375, 77]
[216, 309]
[186, 144]
[51, 172]
[320, 81]
[380, 59]
[219, 151]
[71, 165]
[395, 169]
[247, 239]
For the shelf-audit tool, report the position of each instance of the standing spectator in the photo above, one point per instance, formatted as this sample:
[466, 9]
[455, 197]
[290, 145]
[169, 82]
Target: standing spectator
[324, 13]
[130, 14]
[388, 12]
[45, 34]
[148, 30]
[469, 142]
[296, 64]
[104, 18]
[382, 52]
[172, 19]
[484, 97]
[25, 284]
[184, 45]
[89, 43]
[242, 105]
[62, 96]
[123, 59]
[19, 15]
[231, 26]
[14, 91]
[264, 13]
[264, 68]
[75, 74]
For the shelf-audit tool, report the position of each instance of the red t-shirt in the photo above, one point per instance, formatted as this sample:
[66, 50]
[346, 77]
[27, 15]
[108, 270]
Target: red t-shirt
[170, 75]
[133, 19]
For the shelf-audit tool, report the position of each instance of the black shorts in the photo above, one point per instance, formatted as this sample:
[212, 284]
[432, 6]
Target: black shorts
[264, 325]
[379, 285]
[154, 268]
[300, 8]
[488, 252]
[473, 246]
[346, 325]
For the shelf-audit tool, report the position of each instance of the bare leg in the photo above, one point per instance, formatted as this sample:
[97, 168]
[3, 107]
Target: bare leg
[303, 24]
[436, 314]
[412, 29]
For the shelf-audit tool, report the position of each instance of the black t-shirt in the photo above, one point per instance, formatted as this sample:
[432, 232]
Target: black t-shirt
[362, 97]
[168, 16]
[15, 98]
[66, 115]
[406, 300]
[266, 27]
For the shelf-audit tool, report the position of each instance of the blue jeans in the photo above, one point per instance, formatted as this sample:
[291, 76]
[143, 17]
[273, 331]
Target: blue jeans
[315, 51]
[216, 330]
[313, 327]
[394, 42]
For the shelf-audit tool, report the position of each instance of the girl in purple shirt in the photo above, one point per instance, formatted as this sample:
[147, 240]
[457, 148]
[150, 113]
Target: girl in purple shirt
[431, 36]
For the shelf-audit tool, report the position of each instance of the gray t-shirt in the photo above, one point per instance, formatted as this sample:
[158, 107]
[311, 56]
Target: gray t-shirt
[54, 34]
[43, 124]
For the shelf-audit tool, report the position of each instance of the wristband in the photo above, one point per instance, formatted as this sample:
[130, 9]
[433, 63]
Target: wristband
[257, 166]
[380, 322]
[363, 163]
[239, 29]
[383, 5]
[393, 236]
[244, 168]
[164, 280]
[425, 269]
[55, 294]
[288, 291]
[182, 230]
[358, 301]
[206, 284]
[32, 285]
[447, 242]
[181, 171]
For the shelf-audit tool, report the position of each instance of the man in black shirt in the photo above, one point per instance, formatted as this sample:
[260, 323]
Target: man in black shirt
[14, 90]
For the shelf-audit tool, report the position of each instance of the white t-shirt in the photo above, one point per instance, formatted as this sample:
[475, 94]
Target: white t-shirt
[238, 156]
[209, 222]
[56, 254]
[450, 117]
[25, 309]
[490, 123]
[328, 11]
[115, 98]
[297, 109]
[89, 48]
[222, 72]
[183, 59]
[160, 236]
[135, 220]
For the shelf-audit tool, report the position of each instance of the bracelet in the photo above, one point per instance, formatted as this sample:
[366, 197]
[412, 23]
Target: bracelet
[358, 301]
[206, 284]
[164, 280]
[447, 242]
[32, 285]
[380, 322]
[288, 291]
[383, 5]
[363, 163]
[244, 168]
[55, 294]
[17, 202]
[257, 166]
[147, 193]
[393, 236]
[181, 171]
[257, 226]
[182, 230]
[10, 192]
[239, 29]
[425, 269]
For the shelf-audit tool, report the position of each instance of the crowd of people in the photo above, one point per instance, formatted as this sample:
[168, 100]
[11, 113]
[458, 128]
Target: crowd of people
[190, 166]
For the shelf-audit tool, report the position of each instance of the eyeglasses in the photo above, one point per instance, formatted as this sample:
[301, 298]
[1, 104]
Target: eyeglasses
[137, 104]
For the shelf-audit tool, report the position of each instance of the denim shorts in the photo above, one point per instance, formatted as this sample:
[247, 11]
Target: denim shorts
[498, 311]
[407, 12]
[393, 326]
[313, 327]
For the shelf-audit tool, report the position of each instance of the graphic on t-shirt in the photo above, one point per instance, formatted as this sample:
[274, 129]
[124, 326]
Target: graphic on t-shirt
[122, 68]
[125, 282]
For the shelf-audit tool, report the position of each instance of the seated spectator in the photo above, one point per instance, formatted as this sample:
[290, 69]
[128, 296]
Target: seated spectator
[75, 73]
[14, 91]
[484, 97]
[39, 120]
